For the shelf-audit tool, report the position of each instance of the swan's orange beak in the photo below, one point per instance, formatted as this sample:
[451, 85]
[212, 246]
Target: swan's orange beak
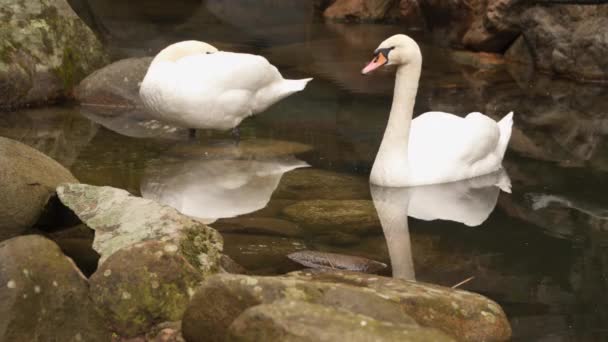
[377, 62]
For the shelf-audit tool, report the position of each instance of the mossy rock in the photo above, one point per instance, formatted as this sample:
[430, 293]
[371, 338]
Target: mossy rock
[143, 285]
[43, 296]
[464, 315]
[45, 50]
[222, 298]
[291, 320]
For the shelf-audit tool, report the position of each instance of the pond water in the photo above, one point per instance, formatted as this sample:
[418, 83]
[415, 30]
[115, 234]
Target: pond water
[539, 251]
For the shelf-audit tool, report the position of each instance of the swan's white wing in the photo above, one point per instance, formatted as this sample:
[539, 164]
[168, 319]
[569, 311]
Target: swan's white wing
[225, 71]
[447, 138]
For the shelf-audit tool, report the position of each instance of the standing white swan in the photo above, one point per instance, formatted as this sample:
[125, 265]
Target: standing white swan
[193, 85]
[435, 147]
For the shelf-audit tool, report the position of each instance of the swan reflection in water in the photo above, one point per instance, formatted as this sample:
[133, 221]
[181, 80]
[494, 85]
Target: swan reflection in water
[210, 189]
[469, 202]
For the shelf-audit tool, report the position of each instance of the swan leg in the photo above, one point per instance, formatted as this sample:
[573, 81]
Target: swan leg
[236, 135]
[191, 133]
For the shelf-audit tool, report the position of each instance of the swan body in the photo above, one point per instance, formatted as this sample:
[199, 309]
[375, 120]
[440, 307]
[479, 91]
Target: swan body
[435, 147]
[193, 85]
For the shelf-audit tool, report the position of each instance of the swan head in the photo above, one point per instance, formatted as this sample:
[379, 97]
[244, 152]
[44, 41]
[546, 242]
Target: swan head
[396, 50]
[179, 50]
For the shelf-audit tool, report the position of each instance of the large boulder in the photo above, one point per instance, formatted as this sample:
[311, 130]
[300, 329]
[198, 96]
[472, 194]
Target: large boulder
[221, 299]
[43, 296]
[571, 41]
[121, 220]
[152, 257]
[359, 10]
[45, 50]
[114, 86]
[290, 320]
[28, 179]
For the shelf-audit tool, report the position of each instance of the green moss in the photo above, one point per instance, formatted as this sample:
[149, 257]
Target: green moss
[202, 243]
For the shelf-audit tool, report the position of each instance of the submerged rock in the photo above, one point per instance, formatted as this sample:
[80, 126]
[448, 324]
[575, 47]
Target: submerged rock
[259, 226]
[45, 50]
[335, 261]
[322, 184]
[28, 179]
[466, 316]
[263, 254]
[352, 216]
[292, 320]
[43, 296]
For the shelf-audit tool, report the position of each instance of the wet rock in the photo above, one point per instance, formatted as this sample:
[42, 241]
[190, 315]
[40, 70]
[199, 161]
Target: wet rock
[152, 257]
[464, 315]
[143, 284]
[358, 10]
[120, 220]
[45, 51]
[352, 216]
[568, 40]
[259, 226]
[28, 179]
[43, 296]
[411, 14]
[321, 184]
[291, 320]
[335, 261]
[115, 85]
[222, 298]
[258, 252]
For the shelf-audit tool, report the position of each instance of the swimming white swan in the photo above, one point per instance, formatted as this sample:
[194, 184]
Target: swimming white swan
[193, 85]
[435, 147]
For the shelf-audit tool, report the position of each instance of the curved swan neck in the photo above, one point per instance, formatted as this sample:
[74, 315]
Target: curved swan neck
[390, 166]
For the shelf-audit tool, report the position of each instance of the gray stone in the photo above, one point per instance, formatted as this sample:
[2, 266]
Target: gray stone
[292, 320]
[43, 296]
[45, 51]
[120, 220]
[28, 179]
[358, 10]
[324, 260]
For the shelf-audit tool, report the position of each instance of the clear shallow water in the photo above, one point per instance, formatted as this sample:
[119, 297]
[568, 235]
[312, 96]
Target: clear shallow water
[541, 252]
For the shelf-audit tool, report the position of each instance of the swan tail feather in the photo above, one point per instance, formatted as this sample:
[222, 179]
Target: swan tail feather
[505, 126]
[292, 86]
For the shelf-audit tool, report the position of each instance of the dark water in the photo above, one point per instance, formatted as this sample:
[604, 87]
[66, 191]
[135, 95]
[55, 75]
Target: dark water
[541, 252]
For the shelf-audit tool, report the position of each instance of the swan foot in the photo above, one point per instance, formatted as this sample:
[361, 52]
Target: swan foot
[236, 135]
[191, 134]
